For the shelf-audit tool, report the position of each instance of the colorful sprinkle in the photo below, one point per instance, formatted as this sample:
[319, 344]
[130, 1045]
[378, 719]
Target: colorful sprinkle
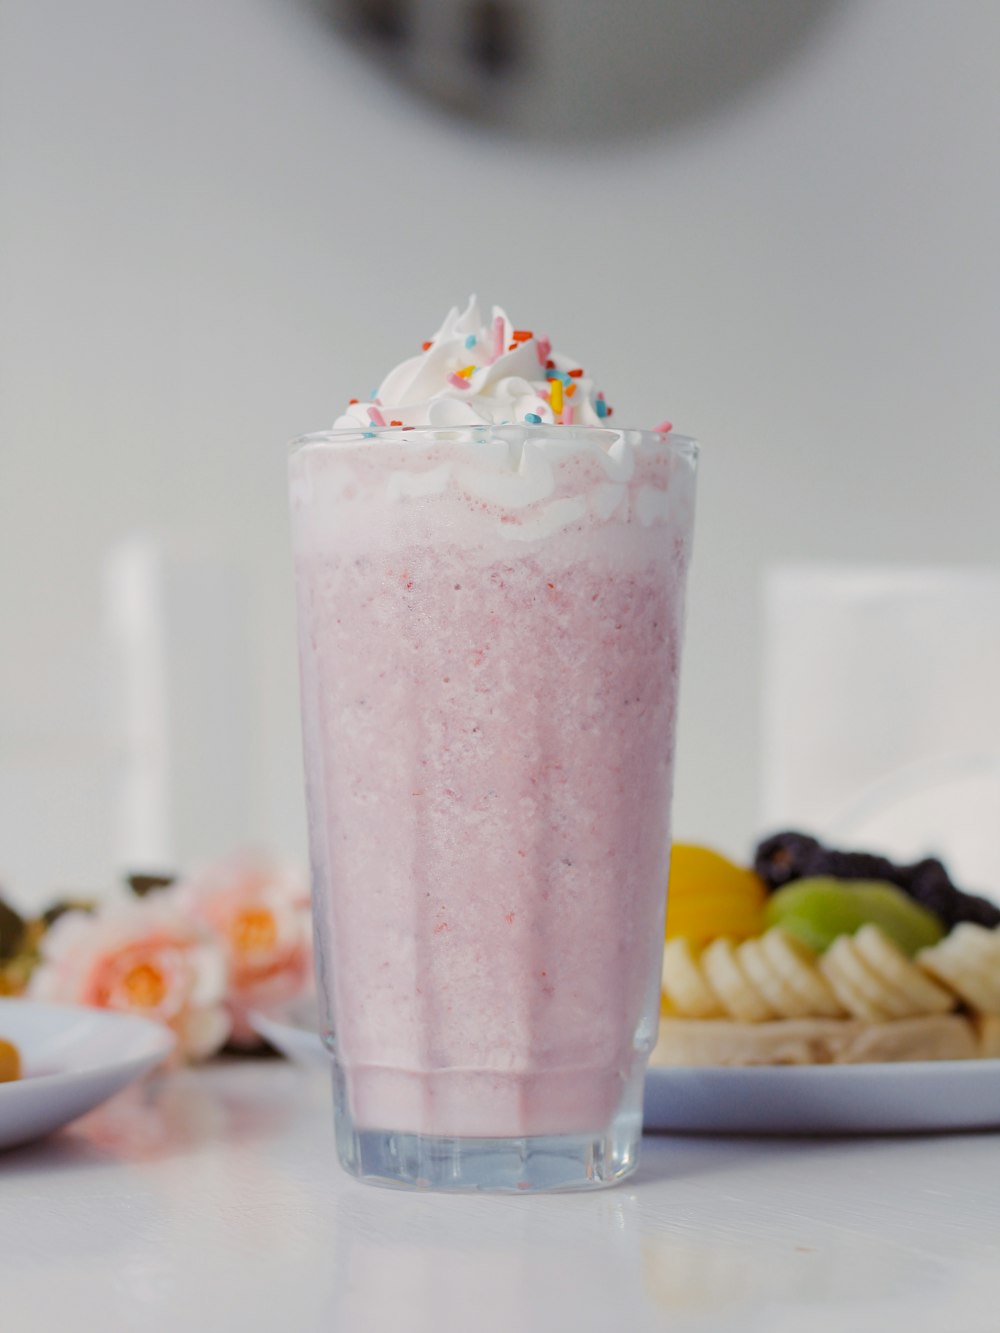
[351, 402]
[664, 428]
[559, 388]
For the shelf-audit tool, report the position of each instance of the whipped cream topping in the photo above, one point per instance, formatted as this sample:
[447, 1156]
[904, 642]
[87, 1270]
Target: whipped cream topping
[482, 372]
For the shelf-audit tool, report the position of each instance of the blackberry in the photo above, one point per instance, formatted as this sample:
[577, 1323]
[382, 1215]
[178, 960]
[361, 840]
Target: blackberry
[788, 856]
[930, 885]
[784, 857]
[859, 865]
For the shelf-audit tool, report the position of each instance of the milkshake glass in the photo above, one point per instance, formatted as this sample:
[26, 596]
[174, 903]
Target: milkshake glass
[490, 628]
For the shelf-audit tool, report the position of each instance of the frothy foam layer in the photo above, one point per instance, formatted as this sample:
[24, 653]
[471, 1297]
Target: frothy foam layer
[522, 485]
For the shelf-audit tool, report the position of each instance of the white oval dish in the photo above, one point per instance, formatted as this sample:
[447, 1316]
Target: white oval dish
[73, 1059]
[293, 1033]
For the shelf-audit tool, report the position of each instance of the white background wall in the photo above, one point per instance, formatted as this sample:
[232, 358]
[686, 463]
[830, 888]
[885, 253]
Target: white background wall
[217, 224]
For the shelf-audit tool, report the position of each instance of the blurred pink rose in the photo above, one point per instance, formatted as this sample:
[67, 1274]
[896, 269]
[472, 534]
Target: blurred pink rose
[140, 956]
[260, 913]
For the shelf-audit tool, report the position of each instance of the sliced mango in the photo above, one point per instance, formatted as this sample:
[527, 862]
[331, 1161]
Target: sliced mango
[709, 896]
[10, 1062]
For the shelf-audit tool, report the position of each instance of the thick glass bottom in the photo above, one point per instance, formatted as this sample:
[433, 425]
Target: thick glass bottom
[506, 1165]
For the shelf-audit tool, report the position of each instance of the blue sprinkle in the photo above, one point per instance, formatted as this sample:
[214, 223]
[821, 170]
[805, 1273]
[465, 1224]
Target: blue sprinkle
[471, 340]
[559, 375]
[368, 435]
[601, 406]
[533, 418]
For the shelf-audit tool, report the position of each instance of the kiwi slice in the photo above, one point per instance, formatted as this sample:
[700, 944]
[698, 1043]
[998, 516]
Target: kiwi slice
[819, 909]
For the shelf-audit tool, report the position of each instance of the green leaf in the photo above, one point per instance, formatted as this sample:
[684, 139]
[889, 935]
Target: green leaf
[11, 931]
[141, 885]
[64, 905]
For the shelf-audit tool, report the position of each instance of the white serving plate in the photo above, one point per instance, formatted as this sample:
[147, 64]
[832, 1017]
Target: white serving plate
[927, 1096]
[921, 1096]
[73, 1059]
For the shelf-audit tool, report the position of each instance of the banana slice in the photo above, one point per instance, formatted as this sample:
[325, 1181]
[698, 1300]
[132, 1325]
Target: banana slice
[684, 985]
[888, 962]
[953, 971]
[866, 976]
[721, 968]
[796, 963]
[982, 949]
[968, 961]
[770, 983]
[858, 988]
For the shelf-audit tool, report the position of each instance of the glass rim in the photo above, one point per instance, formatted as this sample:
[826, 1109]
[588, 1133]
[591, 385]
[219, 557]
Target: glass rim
[369, 436]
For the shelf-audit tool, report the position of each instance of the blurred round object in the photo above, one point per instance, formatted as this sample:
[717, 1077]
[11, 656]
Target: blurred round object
[577, 69]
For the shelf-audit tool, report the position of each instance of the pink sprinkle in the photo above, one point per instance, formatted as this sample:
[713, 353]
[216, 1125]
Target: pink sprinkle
[458, 381]
[377, 419]
[567, 417]
[543, 346]
[498, 338]
[664, 428]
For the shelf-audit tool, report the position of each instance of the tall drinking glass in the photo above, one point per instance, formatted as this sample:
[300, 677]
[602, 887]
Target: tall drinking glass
[490, 628]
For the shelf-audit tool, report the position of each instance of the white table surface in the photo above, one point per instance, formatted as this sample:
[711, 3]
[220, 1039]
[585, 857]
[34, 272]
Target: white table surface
[211, 1200]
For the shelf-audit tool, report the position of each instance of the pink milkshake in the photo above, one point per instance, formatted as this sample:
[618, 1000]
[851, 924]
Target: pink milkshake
[490, 601]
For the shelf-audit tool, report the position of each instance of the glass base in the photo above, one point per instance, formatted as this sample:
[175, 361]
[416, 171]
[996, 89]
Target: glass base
[505, 1165]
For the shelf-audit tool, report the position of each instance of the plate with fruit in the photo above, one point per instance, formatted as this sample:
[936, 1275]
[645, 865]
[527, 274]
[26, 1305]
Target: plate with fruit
[825, 991]
[58, 1062]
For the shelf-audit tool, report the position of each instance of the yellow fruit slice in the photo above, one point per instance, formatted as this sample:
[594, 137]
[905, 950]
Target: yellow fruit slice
[10, 1062]
[710, 896]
